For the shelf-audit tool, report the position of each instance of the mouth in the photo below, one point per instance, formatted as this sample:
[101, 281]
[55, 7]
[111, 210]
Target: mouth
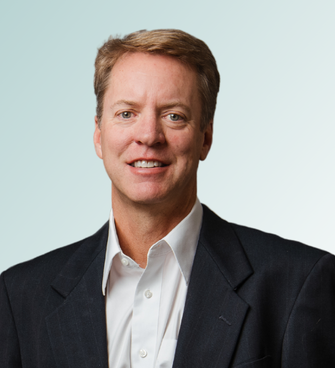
[147, 164]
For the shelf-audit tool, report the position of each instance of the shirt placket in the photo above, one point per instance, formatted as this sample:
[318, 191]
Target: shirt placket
[146, 312]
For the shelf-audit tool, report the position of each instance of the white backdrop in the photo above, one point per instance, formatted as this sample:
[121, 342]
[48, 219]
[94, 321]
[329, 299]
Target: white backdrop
[272, 162]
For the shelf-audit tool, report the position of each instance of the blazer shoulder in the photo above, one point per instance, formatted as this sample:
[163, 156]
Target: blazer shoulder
[273, 249]
[48, 265]
[256, 241]
[263, 250]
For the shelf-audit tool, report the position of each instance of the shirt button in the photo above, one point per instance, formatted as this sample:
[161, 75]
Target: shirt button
[148, 294]
[143, 353]
[125, 261]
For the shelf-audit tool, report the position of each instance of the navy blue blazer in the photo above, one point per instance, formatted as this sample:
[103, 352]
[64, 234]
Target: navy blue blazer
[254, 300]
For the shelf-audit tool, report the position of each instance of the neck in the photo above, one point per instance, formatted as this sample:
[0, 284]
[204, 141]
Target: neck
[139, 226]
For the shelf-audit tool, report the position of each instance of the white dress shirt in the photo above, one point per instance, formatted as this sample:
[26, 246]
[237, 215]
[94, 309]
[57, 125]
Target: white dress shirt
[144, 307]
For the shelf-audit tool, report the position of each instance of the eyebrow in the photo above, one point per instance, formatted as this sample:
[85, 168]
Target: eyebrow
[176, 104]
[163, 106]
[125, 102]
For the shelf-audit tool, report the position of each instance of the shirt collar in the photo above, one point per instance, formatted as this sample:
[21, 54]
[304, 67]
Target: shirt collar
[182, 239]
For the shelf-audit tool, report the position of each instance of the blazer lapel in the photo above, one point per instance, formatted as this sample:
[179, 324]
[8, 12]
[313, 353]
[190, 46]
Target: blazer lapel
[77, 328]
[214, 313]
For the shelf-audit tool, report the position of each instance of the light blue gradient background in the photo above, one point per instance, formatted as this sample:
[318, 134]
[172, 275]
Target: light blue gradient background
[272, 162]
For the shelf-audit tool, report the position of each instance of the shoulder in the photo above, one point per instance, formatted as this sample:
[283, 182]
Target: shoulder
[265, 250]
[270, 246]
[272, 253]
[47, 266]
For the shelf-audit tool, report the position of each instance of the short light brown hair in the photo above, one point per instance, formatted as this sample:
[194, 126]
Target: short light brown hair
[172, 42]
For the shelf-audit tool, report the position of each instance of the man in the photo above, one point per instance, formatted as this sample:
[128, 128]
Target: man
[180, 286]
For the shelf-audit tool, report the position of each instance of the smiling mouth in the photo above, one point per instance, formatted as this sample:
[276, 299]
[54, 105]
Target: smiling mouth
[147, 164]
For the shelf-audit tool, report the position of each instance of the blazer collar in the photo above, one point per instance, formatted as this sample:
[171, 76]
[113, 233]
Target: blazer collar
[225, 249]
[80, 261]
[216, 236]
[77, 327]
[214, 313]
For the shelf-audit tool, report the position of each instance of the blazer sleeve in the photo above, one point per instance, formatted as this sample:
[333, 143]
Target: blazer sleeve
[9, 342]
[309, 339]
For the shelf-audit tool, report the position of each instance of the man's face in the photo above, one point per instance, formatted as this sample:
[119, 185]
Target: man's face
[149, 138]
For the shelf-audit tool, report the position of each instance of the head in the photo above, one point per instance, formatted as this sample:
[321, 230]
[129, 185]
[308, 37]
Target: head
[171, 42]
[156, 95]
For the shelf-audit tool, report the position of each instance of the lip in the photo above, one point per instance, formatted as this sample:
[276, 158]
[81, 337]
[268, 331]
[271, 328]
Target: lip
[150, 173]
[164, 163]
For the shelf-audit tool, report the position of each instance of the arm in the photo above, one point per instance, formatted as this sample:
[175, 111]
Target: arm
[9, 342]
[309, 340]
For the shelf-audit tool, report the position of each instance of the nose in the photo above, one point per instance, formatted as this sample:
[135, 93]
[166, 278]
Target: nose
[149, 130]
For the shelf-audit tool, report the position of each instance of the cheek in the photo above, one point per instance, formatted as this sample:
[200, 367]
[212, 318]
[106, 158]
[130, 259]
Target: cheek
[113, 142]
[181, 142]
[187, 149]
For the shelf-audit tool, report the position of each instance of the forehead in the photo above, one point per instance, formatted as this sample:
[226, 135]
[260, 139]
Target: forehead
[141, 59]
[147, 75]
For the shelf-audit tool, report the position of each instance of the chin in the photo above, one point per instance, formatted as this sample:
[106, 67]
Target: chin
[145, 195]
[148, 198]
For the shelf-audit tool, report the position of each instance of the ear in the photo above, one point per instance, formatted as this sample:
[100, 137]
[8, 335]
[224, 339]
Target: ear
[207, 141]
[97, 138]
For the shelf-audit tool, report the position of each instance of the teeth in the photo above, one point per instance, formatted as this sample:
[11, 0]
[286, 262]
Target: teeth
[149, 164]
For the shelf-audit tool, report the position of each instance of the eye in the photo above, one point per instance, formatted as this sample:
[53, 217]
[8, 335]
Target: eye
[175, 117]
[126, 114]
